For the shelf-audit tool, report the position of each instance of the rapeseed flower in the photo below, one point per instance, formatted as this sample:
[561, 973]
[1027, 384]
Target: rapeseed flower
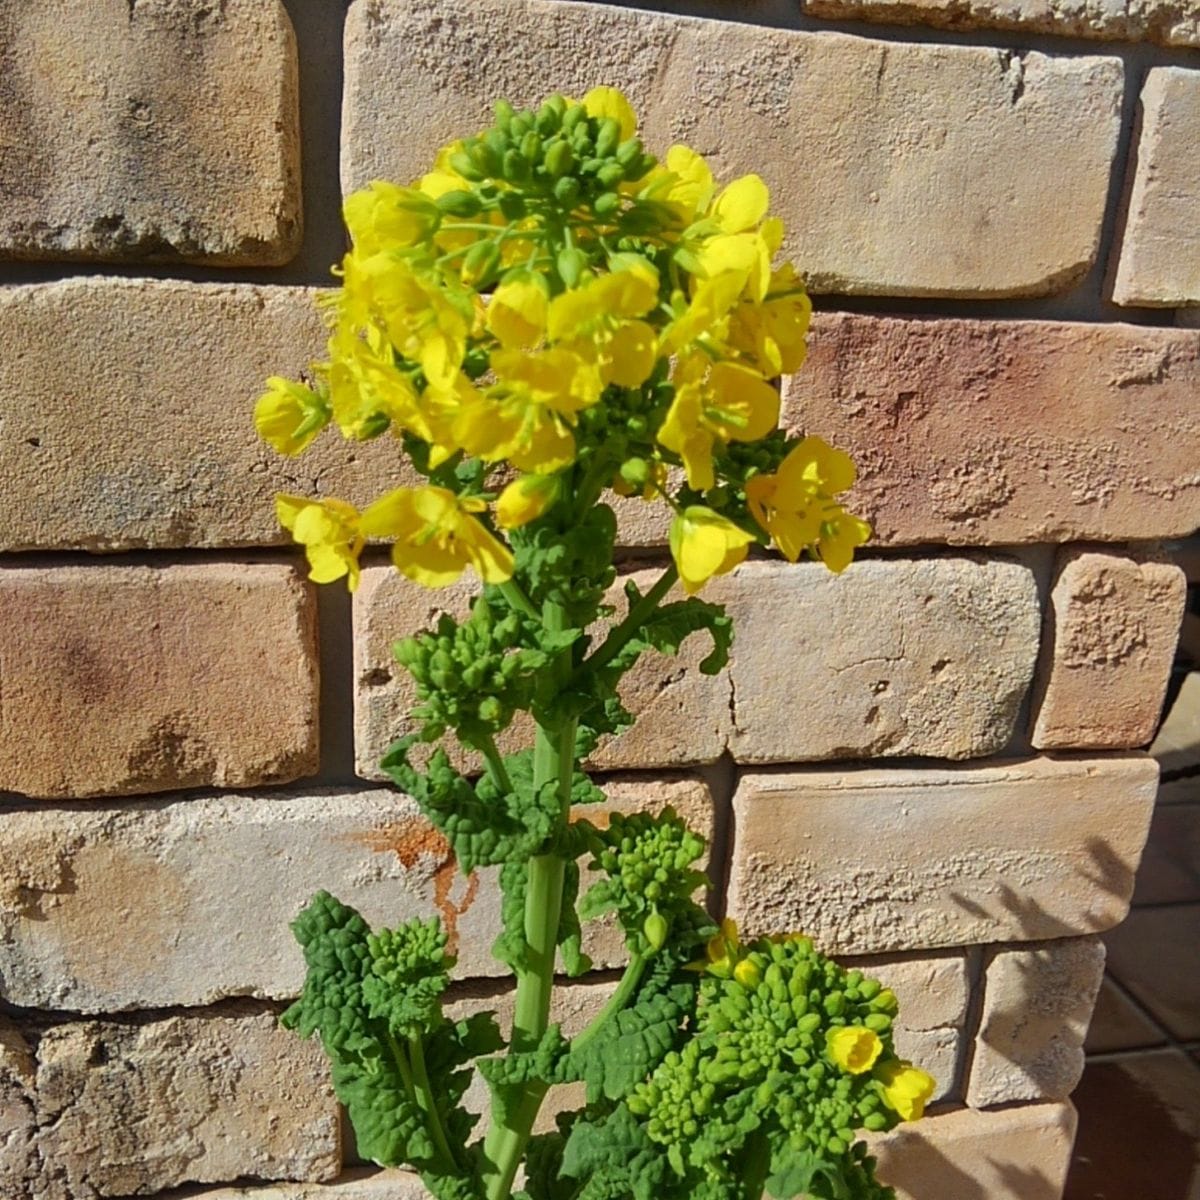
[854, 1048]
[330, 532]
[906, 1089]
[289, 415]
[704, 544]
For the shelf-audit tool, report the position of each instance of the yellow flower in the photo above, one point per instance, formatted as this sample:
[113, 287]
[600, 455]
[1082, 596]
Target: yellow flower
[330, 533]
[853, 1047]
[705, 317]
[721, 952]
[741, 205]
[383, 216]
[289, 415]
[683, 184]
[796, 505]
[773, 331]
[437, 536]
[748, 973]
[704, 544]
[516, 313]
[526, 499]
[906, 1088]
[715, 402]
[609, 102]
[527, 414]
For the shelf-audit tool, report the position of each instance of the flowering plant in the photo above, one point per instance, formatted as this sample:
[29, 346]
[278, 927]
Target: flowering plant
[548, 316]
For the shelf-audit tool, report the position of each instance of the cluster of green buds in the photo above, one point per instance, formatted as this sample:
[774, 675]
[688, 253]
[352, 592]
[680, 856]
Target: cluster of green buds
[407, 976]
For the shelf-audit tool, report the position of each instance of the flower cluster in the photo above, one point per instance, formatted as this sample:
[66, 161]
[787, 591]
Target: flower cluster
[551, 313]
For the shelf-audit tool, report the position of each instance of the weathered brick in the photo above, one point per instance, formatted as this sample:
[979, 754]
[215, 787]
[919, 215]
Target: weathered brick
[875, 860]
[1014, 1154]
[359, 1183]
[1159, 261]
[1002, 432]
[933, 992]
[19, 1163]
[126, 415]
[113, 908]
[1037, 1002]
[683, 716]
[127, 1109]
[133, 679]
[1177, 744]
[1111, 629]
[149, 129]
[894, 657]
[884, 187]
[1168, 22]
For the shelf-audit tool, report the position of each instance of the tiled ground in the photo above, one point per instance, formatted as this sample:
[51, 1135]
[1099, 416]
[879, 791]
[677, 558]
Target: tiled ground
[1139, 1102]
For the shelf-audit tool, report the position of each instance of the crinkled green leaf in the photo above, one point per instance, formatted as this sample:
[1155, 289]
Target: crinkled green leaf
[613, 1156]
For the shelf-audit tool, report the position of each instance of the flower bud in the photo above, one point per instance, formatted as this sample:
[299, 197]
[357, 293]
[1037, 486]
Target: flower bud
[526, 499]
[655, 929]
[459, 203]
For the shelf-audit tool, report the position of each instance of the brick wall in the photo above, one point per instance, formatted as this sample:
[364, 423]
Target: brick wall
[932, 763]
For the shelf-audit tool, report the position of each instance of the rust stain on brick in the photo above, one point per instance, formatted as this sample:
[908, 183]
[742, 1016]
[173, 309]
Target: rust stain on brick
[413, 839]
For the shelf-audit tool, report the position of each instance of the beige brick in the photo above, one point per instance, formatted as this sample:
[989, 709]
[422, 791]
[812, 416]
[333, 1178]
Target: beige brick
[1111, 630]
[127, 413]
[130, 679]
[933, 993]
[894, 657]
[1037, 1002]
[359, 1183]
[683, 716]
[1177, 744]
[884, 186]
[1004, 432]
[157, 130]
[19, 1164]
[573, 1008]
[136, 1108]
[1168, 22]
[1159, 261]
[1015, 1154]
[912, 858]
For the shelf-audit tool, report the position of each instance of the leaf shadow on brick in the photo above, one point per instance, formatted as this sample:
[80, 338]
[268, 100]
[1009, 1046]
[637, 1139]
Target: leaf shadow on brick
[924, 1170]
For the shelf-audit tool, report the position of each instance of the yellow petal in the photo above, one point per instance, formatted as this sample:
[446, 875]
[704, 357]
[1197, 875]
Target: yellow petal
[742, 204]
[608, 102]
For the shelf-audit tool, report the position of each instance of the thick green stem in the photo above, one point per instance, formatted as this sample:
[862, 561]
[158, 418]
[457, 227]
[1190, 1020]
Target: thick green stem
[512, 591]
[425, 1099]
[617, 1001]
[553, 762]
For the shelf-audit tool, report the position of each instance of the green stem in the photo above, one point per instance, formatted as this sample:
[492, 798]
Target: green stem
[756, 1165]
[514, 593]
[634, 620]
[428, 1104]
[494, 761]
[422, 1096]
[618, 1000]
[553, 762]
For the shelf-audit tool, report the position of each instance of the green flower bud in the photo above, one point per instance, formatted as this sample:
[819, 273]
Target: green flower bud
[531, 147]
[655, 928]
[566, 190]
[629, 150]
[570, 263]
[464, 166]
[515, 168]
[459, 204]
[504, 113]
[606, 204]
[512, 204]
[875, 1122]
[879, 1022]
[480, 263]
[610, 174]
[607, 137]
[559, 159]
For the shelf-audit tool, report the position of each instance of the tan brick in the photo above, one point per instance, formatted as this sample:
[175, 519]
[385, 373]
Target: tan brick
[933, 993]
[1111, 630]
[1003, 432]
[1159, 261]
[573, 1008]
[884, 186]
[1177, 744]
[1168, 22]
[358, 1183]
[117, 908]
[894, 657]
[136, 1108]
[875, 860]
[683, 716]
[149, 129]
[19, 1164]
[126, 406]
[1037, 1002]
[130, 679]
[1015, 1154]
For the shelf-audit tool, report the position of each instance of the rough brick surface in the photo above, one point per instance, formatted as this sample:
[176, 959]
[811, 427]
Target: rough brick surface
[933, 993]
[684, 717]
[135, 1108]
[133, 679]
[893, 657]
[1159, 261]
[149, 129]
[1015, 1154]
[1037, 1002]
[1112, 624]
[1169, 22]
[356, 1184]
[117, 908]
[126, 415]
[906, 859]
[18, 1146]
[978, 432]
[884, 187]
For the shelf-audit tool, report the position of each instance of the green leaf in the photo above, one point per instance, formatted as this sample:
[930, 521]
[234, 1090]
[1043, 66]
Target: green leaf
[613, 1156]
[668, 626]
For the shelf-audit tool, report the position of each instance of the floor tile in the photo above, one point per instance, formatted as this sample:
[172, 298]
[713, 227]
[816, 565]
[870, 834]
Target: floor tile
[1155, 954]
[1117, 1024]
[1139, 1129]
[1170, 868]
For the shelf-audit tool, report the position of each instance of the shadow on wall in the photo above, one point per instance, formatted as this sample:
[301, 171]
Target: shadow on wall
[919, 1164]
